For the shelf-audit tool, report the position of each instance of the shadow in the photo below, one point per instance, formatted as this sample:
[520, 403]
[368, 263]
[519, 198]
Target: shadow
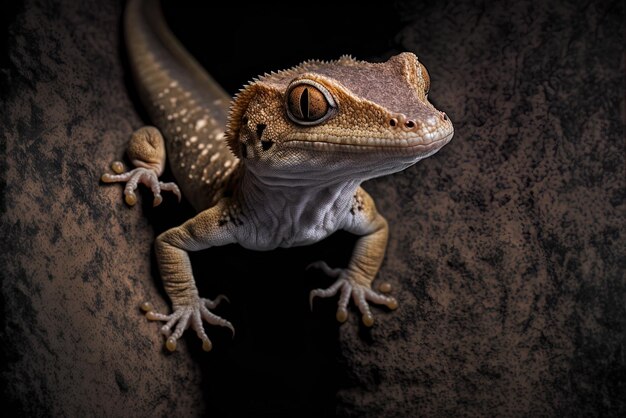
[283, 359]
[240, 41]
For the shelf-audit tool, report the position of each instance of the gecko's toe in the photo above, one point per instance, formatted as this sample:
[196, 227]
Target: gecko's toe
[342, 315]
[146, 307]
[368, 319]
[117, 167]
[157, 200]
[170, 344]
[171, 187]
[155, 316]
[165, 330]
[384, 287]
[130, 198]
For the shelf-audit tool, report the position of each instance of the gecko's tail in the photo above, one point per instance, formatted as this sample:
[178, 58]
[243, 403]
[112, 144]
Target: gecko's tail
[184, 101]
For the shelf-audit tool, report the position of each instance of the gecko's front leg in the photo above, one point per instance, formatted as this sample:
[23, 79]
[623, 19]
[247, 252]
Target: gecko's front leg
[356, 280]
[206, 230]
[146, 151]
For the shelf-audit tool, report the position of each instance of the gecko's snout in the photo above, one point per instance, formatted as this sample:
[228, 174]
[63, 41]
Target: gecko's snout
[401, 121]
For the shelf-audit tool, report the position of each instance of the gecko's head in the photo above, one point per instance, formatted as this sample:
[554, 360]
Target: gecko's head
[327, 120]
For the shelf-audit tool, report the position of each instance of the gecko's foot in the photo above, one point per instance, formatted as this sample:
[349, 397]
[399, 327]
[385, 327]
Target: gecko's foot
[361, 294]
[185, 316]
[138, 175]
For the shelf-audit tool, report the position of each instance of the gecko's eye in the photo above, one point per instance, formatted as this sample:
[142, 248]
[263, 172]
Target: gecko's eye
[426, 77]
[309, 103]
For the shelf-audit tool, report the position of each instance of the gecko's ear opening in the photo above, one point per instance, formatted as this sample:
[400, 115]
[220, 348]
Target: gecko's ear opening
[238, 108]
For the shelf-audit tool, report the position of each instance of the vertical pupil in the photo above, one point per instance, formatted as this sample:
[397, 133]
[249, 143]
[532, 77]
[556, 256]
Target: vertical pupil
[304, 103]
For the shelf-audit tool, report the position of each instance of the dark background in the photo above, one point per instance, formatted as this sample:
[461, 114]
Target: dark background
[506, 250]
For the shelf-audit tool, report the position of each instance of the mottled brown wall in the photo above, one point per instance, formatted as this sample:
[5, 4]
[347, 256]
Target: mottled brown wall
[507, 249]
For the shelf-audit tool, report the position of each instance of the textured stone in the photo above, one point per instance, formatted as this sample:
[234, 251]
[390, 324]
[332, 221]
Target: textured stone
[506, 250]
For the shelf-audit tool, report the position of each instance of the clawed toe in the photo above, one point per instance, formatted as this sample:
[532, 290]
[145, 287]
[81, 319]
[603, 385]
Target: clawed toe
[171, 187]
[361, 295]
[147, 176]
[188, 316]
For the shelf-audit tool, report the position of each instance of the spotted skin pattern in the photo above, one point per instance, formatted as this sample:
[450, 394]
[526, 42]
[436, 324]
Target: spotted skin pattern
[278, 166]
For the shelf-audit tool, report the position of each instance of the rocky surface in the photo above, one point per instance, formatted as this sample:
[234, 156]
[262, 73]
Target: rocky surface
[506, 250]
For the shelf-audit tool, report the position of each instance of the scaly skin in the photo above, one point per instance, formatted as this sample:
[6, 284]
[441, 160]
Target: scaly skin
[282, 168]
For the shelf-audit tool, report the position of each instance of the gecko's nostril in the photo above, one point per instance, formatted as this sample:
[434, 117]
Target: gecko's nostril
[393, 121]
[409, 124]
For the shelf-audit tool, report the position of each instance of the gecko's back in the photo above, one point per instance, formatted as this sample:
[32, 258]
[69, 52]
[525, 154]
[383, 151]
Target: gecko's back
[187, 105]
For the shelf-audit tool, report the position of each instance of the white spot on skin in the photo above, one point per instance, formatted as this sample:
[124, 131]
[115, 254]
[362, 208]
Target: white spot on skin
[219, 136]
[214, 157]
[201, 124]
[174, 83]
[193, 139]
[227, 164]
[183, 111]
[230, 170]
[205, 152]
[217, 102]
[201, 145]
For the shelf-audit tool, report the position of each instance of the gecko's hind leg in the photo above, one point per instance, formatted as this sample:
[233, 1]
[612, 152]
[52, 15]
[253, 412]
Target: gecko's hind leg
[146, 151]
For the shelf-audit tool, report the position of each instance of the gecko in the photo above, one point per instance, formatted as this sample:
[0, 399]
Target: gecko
[279, 165]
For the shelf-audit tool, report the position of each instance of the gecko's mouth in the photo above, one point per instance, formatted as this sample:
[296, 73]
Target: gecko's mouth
[417, 145]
